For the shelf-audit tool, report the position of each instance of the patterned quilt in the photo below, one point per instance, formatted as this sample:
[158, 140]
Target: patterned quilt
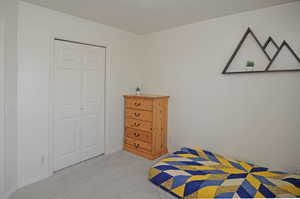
[197, 173]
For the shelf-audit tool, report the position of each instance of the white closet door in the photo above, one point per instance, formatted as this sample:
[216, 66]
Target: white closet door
[79, 103]
[92, 103]
[67, 95]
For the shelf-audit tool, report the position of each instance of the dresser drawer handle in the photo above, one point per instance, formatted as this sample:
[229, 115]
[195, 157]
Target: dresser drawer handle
[137, 114]
[136, 124]
[136, 145]
[136, 134]
[137, 104]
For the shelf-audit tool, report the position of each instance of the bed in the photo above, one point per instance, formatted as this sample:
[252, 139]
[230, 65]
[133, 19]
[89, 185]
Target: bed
[197, 173]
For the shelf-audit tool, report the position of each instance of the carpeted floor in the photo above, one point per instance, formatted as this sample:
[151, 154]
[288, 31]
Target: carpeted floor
[117, 176]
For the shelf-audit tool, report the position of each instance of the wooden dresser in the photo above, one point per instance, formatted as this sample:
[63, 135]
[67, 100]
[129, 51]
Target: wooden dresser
[146, 120]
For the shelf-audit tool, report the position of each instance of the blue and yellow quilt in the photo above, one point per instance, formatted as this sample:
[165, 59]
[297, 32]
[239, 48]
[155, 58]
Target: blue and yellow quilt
[197, 173]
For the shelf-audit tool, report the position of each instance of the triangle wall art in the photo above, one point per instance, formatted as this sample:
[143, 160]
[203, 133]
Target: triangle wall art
[257, 57]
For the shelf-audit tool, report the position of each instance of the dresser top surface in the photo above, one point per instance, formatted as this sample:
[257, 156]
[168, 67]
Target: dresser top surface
[145, 96]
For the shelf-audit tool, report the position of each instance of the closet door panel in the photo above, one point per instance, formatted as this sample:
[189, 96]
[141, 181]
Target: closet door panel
[67, 142]
[68, 55]
[90, 137]
[91, 97]
[67, 98]
[90, 127]
[92, 114]
[94, 58]
[67, 93]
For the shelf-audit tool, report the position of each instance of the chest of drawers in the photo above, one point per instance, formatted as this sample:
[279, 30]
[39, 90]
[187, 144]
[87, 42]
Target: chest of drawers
[146, 120]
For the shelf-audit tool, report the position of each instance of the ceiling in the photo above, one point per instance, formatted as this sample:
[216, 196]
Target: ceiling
[146, 16]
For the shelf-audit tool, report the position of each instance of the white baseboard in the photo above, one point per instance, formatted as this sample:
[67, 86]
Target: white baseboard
[39, 178]
[32, 181]
[10, 192]
[119, 148]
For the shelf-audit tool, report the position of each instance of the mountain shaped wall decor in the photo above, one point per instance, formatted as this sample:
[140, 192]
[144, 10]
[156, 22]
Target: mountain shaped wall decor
[267, 55]
[268, 43]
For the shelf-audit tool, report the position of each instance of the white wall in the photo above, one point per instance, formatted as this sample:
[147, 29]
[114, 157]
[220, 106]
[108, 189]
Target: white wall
[253, 117]
[8, 14]
[37, 28]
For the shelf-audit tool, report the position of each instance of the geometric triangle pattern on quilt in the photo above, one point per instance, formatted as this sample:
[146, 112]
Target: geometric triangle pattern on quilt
[197, 173]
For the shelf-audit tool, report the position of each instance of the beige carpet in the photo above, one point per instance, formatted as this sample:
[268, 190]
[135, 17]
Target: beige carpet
[117, 176]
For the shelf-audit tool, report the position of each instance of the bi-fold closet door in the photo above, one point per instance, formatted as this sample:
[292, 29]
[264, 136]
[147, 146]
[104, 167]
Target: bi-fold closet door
[79, 78]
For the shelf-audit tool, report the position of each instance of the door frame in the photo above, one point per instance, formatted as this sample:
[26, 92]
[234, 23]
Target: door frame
[2, 109]
[51, 157]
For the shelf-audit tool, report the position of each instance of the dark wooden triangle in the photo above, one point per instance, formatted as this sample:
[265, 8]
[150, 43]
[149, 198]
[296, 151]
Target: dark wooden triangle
[249, 31]
[270, 39]
[284, 43]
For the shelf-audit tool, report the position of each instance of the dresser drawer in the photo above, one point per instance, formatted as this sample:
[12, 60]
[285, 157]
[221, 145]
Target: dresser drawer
[142, 104]
[138, 145]
[139, 135]
[139, 115]
[137, 124]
